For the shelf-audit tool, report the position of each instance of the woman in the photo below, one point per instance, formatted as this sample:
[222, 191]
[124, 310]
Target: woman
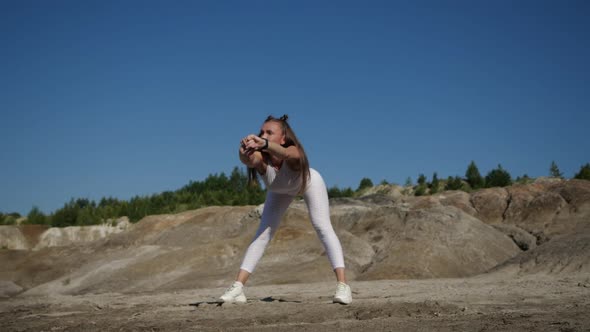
[278, 157]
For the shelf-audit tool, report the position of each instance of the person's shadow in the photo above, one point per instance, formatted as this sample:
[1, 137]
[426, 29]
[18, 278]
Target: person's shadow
[266, 299]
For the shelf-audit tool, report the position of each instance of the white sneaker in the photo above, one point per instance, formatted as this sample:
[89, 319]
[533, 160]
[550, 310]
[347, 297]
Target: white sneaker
[343, 294]
[234, 294]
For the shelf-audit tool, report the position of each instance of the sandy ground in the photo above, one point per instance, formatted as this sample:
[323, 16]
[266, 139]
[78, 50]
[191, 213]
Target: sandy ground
[487, 303]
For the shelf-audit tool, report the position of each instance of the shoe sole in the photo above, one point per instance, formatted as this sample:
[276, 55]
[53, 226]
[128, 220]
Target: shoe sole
[240, 301]
[340, 301]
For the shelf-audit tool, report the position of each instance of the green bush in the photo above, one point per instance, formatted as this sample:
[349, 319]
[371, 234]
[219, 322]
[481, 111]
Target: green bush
[421, 180]
[335, 192]
[35, 216]
[498, 177]
[584, 173]
[365, 183]
[525, 179]
[220, 189]
[216, 189]
[420, 190]
[454, 183]
[6, 219]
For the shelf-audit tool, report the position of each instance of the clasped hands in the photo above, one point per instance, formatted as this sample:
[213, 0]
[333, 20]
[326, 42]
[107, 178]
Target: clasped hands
[251, 143]
[249, 150]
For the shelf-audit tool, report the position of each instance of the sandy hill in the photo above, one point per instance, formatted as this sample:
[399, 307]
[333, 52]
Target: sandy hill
[537, 228]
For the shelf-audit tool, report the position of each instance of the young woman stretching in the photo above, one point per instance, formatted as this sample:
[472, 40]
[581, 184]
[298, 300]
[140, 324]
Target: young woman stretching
[278, 157]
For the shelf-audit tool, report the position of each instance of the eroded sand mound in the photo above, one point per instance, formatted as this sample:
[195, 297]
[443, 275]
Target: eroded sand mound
[440, 242]
[384, 236]
[565, 255]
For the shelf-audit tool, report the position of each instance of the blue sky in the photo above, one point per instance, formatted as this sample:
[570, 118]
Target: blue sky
[125, 98]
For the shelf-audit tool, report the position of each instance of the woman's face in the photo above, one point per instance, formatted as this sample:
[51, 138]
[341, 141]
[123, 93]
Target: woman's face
[273, 132]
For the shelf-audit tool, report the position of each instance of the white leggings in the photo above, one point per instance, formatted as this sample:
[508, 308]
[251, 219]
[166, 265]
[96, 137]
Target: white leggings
[316, 198]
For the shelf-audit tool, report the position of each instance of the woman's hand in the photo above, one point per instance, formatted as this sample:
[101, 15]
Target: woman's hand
[250, 158]
[249, 154]
[253, 142]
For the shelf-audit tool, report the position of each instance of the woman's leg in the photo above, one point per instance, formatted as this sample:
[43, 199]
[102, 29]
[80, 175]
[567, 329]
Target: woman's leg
[274, 208]
[316, 198]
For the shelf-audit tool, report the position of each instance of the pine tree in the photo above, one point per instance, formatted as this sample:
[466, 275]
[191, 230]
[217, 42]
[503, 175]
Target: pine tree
[35, 216]
[584, 173]
[347, 192]
[421, 188]
[365, 183]
[554, 171]
[334, 192]
[454, 183]
[498, 177]
[421, 179]
[473, 177]
[435, 184]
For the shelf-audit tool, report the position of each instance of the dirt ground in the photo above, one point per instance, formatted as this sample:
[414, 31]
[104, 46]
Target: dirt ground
[162, 273]
[486, 303]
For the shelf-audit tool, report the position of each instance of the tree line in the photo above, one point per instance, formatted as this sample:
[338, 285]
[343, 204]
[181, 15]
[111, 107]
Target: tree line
[236, 189]
[216, 189]
[473, 180]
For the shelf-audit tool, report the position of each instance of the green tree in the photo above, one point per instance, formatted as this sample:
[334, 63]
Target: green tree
[584, 173]
[365, 183]
[498, 177]
[421, 180]
[421, 187]
[348, 192]
[420, 190]
[123, 209]
[454, 183]
[86, 216]
[473, 177]
[9, 219]
[435, 184]
[236, 180]
[137, 208]
[66, 216]
[554, 171]
[524, 179]
[216, 189]
[35, 216]
[334, 192]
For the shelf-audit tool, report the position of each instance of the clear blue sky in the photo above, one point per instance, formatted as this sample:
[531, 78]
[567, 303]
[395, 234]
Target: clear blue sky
[125, 98]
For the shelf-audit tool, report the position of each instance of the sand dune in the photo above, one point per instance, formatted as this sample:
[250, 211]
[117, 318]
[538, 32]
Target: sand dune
[515, 258]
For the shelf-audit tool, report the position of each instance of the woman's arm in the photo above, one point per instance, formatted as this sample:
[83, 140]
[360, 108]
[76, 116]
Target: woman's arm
[252, 159]
[290, 153]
